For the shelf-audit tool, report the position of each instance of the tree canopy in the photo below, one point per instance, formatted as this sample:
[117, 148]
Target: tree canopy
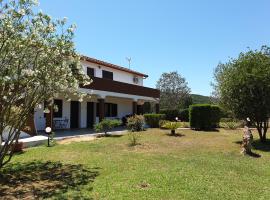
[174, 91]
[243, 86]
[38, 61]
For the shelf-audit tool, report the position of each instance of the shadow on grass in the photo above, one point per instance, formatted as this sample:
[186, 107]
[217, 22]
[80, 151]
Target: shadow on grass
[176, 135]
[109, 135]
[39, 180]
[258, 145]
[206, 130]
[252, 154]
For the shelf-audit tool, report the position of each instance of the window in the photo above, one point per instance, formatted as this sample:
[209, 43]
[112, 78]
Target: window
[110, 110]
[58, 108]
[90, 72]
[107, 74]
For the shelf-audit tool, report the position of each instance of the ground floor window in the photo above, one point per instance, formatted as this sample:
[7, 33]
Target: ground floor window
[110, 110]
[58, 108]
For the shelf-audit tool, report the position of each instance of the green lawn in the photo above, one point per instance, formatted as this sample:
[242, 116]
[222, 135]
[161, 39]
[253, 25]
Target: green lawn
[197, 165]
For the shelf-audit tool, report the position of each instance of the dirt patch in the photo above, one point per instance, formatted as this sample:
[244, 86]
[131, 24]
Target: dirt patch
[77, 139]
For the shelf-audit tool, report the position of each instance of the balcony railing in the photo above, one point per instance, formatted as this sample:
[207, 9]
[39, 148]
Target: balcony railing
[120, 87]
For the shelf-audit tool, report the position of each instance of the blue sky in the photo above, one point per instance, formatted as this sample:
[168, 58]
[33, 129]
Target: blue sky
[190, 36]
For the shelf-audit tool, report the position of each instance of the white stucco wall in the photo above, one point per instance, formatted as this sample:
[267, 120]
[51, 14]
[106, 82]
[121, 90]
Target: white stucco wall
[118, 75]
[124, 108]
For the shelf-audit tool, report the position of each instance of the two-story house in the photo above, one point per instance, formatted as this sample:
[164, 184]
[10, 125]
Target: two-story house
[115, 92]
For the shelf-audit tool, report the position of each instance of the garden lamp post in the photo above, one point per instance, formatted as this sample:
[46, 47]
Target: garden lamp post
[48, 130]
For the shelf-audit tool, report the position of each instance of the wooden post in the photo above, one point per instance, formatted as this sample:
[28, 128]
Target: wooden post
[134, 105]
[101, 109]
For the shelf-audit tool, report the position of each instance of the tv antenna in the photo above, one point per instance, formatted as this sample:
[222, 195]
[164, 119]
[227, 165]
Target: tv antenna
[129, 61]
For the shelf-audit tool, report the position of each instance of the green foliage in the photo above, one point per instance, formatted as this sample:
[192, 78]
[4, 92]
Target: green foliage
[170, 114]
[184, 124]
[38, 61]
[184, 115]
[230, 123]
[204, 116]
[107, 125]
[174, 91]
[135, 123]
[185, 102]
[153, 119]
[171, 125]
[243, 87]
[200, 99]
[134, 138]
[162, 122]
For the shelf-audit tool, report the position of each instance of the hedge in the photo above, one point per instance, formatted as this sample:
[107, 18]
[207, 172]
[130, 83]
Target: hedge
[184, 115]
[153, 119]
[204, 116]
[170, 114]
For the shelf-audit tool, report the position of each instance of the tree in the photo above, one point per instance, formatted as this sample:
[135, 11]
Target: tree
[38, 61]
[174, 91]
[243, 86]
[185, 102]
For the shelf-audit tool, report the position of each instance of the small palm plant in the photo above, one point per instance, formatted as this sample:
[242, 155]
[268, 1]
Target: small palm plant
[172, 126]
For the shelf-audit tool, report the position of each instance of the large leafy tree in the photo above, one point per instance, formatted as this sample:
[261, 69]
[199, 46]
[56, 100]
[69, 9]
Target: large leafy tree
[243, 86]
[37, 62]
[174, 91]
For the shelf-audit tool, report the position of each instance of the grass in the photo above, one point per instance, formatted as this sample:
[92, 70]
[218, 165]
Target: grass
[195, 165]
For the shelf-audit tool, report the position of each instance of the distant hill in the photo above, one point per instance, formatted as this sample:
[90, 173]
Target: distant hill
[200, 99]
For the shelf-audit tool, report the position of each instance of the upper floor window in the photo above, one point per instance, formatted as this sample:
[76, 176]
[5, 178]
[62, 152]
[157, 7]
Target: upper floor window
[107, 75]
[90, 72]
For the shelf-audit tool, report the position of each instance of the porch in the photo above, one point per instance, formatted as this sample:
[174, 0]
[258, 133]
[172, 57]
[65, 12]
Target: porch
[82, 115]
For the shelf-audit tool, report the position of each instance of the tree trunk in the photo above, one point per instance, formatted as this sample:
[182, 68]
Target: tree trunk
[262, 130]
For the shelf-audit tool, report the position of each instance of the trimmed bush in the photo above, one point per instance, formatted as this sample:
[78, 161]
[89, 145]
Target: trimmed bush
[170, 114]
[135, 123]
[153, 119]
[204, 116]
[184, 115]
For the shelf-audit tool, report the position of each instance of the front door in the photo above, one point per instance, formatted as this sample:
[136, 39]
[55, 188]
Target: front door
[90, 114]
[74, 114]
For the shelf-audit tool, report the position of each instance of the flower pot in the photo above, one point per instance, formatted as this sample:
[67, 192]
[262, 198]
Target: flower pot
[17, 147]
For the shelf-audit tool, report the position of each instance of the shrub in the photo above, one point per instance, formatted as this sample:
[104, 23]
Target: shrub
[153, 119]
[124, 119]
[204, 116]
[134, 138]
[184, 124]
[172, 126]
[170, 114]
[184, 115]
[135, 123]
[107, 125]
[230, 123]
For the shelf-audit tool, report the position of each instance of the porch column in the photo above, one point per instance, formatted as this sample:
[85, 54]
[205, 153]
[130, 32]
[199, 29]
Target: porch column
[49, 117]
[157, 108]
[101, 109]
[134, 105]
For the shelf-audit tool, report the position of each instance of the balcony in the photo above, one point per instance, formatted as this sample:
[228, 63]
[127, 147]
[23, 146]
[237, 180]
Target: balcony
[120, 87]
